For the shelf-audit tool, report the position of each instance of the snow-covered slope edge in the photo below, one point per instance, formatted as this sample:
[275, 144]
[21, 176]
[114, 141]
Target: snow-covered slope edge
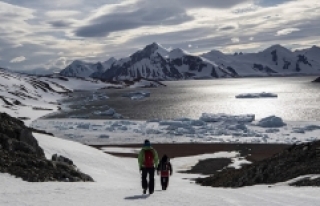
[28, 97]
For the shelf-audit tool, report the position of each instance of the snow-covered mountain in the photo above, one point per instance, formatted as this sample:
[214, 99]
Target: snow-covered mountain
[84, 69]
[107, 64]
[273, 61]
[312, 54]
[156, 62]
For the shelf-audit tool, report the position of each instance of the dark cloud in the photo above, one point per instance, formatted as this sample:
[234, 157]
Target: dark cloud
[108, 23]
[172, 37]
[210, 3]
[227, 27]
[25, 35]
[60, 23]
[268, 3]
[197, 37]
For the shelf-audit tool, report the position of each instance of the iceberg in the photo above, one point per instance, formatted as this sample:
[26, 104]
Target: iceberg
[208, 117]
[271, 121]
[137, 95]
[257, 95]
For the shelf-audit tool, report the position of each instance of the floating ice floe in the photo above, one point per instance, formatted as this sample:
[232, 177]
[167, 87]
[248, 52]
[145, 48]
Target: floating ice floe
[146, 84]
[104, 136]
[306, 129]
[110, 112]
[137, 95]
[256, 95]
[208, 128]
[271, 121]
[208, 117]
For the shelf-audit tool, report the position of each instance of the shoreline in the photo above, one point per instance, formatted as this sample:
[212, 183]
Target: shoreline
[251, 151]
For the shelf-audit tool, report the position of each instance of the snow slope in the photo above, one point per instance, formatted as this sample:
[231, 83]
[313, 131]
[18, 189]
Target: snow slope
[32, 97]
[118, 183]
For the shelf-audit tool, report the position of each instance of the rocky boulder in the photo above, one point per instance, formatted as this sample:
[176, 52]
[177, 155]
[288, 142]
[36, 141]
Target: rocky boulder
[297, 160]
[317, 80]
[21, 156]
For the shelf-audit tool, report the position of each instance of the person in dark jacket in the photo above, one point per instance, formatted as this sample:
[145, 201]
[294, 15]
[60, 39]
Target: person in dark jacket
[165, 170]
[148, 160]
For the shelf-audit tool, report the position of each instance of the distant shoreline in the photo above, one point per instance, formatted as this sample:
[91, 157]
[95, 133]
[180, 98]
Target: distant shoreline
[251, 151]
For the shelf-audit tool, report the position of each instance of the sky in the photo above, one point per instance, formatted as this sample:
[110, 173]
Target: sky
[50, 34]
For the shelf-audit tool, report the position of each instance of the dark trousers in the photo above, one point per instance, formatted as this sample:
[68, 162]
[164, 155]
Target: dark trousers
[145, 173]
[164, 182]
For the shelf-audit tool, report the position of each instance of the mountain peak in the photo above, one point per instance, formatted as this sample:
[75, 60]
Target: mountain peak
[77, 62]
[215, 52]
[153, 45]
[276, 47]
[156, 48]
[177, 53]
[279, 50]
[315, 47]
[110, 60]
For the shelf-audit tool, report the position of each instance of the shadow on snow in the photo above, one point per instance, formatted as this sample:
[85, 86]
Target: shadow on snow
[136, 197]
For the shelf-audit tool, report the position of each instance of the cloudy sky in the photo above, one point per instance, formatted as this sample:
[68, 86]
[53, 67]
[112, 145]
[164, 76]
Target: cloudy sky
[52, 33]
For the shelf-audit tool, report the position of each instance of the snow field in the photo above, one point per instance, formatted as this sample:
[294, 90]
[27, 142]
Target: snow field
[117, 182]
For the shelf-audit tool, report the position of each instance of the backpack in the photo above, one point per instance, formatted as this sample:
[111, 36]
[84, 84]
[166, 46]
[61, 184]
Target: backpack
[164, 169]
[148, 158]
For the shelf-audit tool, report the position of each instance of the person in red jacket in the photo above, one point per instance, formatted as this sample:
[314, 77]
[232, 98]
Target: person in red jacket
[165, 170]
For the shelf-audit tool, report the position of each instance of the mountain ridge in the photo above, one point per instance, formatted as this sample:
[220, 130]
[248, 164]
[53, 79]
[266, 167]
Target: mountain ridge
[157, 63]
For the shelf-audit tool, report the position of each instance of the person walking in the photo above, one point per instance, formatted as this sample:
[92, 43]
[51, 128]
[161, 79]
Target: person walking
[165, 170]
[148, 160]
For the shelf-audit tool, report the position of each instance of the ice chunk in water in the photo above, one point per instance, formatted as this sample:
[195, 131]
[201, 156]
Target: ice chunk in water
[256, 95]
[271, 121]
[208, 117]
[137, 95]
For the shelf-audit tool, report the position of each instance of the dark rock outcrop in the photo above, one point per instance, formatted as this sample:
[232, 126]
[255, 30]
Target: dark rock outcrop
[297, 160]
[209, 166]
[21, 156]
[262, 68]
[317, 80]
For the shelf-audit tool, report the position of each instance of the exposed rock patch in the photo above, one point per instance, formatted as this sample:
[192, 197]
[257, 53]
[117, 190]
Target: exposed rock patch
[209, 166]
[297, 160]
[21, 156]
[317, 80]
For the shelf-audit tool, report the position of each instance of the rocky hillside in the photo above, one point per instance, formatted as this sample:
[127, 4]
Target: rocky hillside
[157, 63]
[297, 160]
[21, 156]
